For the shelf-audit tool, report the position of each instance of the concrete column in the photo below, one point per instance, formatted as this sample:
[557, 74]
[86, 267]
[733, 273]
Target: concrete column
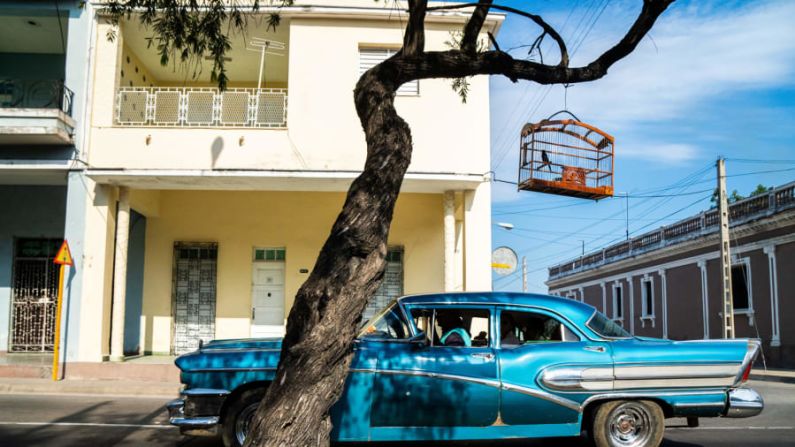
[604, 298]
[449, 241]
[704, 296]
[775, 336]
[664, 291]
[120, 275]
[477, 238]
[631, 305]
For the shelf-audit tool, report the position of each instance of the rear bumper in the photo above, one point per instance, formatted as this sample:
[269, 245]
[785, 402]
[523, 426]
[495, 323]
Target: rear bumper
[744, 403]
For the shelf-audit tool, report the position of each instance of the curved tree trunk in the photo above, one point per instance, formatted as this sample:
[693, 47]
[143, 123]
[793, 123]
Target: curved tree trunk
[324, 319]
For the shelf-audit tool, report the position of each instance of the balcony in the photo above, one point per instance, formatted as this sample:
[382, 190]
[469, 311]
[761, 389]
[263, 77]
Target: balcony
[201, 107]
[35, 112]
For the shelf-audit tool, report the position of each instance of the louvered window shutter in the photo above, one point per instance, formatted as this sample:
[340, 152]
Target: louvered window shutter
[370, 57]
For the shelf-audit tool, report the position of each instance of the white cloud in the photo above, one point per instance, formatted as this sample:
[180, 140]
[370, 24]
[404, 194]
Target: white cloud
[698, 54]
[669, 154]
[693, 55]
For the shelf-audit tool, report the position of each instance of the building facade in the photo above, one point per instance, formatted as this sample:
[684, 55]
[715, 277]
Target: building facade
[197, 213]
[667, 283]
[43, 75]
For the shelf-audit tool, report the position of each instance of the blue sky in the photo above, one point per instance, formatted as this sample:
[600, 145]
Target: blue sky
[716, 78]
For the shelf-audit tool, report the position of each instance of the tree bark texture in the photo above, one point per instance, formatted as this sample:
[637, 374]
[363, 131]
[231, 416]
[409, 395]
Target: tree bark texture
[328, 307]
[324, 319]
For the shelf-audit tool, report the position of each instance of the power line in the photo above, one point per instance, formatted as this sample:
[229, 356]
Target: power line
[760, 161]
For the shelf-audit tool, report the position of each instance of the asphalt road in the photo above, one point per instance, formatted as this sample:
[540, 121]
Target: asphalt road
[98, 421]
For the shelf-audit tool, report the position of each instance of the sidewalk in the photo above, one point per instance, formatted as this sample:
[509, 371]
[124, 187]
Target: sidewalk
[166, 390]
[773, 375]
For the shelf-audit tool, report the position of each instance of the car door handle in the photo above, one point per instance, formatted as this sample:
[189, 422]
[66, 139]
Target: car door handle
[483, 355]
[595, 348]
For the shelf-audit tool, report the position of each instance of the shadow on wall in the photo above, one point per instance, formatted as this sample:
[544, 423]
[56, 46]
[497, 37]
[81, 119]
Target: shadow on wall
[216, 149]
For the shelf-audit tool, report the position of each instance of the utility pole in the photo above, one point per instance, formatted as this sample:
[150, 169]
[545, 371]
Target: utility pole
[725, 256]
[524, 274]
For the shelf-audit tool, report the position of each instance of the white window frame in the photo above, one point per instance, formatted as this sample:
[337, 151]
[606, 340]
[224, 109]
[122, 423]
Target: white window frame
[749, 311]
[376, 54]
[647, 314]
[618, 286]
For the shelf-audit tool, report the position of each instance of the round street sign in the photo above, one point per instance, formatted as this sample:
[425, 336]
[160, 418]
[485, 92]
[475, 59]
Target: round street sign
[504, 261]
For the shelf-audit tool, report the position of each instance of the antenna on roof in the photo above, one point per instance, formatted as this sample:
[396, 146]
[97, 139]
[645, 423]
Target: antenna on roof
[264, 46]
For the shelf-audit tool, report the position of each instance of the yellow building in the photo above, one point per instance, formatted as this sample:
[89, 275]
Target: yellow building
[204, 210]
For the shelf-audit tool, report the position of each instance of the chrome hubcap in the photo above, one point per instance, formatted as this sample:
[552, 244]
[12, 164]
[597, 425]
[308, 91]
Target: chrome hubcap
[629, 425]
[243, 421]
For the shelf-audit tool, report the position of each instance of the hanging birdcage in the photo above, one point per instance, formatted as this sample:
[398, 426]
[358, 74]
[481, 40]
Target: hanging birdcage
[566, 157]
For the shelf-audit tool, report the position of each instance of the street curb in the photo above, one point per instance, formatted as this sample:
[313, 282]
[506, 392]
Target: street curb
[89, 387]
[772, 378]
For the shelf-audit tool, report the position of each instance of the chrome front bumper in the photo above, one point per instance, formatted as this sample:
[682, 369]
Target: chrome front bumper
[744, 403]
[194, 426]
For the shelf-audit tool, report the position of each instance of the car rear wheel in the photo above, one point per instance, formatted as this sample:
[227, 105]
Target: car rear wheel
[239, 415]
[628, 423]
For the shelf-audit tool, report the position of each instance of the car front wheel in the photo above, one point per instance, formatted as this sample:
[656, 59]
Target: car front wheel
[239, 415]
[628, 423]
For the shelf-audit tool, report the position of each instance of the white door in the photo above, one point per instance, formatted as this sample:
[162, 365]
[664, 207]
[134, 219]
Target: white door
[267, 300]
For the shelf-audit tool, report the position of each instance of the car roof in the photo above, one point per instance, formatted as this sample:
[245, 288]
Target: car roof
[575, 311]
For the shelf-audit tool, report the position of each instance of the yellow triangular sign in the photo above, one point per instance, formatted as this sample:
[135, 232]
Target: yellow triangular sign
[64, 256]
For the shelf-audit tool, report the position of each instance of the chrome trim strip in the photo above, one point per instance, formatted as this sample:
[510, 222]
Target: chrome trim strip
[682, 371]
[699, 404]
[487, 382]
[575, 378]
[570, 404]
[673, 383]
[198, 422]
[204, 392]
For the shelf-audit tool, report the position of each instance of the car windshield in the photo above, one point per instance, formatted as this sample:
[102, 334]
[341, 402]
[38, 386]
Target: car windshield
[388, 324]
[607, 327]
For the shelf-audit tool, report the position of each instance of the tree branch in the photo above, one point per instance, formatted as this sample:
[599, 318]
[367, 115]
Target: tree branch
[414, 40]
[456, 63]
[469, 43]
[548, 29]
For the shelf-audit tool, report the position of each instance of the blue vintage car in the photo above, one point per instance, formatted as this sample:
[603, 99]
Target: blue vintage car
[465, 366]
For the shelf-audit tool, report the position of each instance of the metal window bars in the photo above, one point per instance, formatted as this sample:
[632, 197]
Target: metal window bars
[201, 107]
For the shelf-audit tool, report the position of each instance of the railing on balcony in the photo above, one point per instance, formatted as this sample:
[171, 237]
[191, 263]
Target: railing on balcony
[35, 94]
[201, 107]
[743, 211]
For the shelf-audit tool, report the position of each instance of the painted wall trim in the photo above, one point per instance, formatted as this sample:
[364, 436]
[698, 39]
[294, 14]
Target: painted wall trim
[702, 265]
[770, 251]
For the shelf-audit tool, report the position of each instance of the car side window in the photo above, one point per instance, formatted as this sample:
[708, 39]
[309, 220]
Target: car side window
[387, 325]
[451, 327]
[520, 327]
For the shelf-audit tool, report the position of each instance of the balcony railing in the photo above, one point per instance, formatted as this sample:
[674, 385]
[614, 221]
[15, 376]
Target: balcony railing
[201, 107]
[35, 94]
[740, 212]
